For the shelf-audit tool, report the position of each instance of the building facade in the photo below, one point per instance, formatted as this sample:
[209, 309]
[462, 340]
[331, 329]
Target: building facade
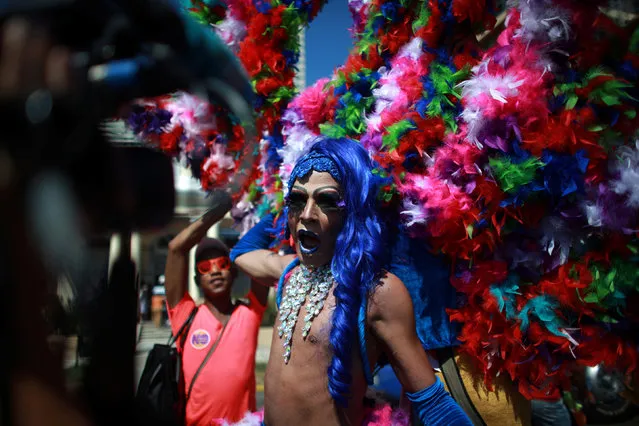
[300, 76]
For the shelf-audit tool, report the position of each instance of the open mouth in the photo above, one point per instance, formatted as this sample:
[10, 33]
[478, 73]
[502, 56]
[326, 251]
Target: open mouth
[309, 241]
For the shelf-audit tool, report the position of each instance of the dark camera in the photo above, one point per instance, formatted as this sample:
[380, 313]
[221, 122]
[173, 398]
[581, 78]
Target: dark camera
[123, 50]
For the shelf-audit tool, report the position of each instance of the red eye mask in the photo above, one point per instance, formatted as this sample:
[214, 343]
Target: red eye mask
[206, 266]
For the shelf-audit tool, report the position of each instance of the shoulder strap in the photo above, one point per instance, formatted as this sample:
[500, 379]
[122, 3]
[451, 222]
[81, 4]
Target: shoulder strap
[206, 359]
[280, 286]
[185, 328]
[361, 330]
[456, 386]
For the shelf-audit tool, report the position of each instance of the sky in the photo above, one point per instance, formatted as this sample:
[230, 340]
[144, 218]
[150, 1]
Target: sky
[328, 41]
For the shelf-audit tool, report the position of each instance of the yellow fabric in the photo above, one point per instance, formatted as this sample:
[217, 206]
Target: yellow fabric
[503, 407]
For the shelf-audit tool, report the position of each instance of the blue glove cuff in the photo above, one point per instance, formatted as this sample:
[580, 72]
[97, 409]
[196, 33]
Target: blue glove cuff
[259, 237]
[435, 407]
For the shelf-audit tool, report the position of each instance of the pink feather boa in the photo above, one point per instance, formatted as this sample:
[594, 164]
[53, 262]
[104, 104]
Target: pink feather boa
[380, 415]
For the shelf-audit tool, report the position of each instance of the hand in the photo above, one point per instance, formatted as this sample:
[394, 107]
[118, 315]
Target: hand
[221, 203]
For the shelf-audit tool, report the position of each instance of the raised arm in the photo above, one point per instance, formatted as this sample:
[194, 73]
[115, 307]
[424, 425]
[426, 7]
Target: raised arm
[176, 272]
[251, 254]
[393, 324]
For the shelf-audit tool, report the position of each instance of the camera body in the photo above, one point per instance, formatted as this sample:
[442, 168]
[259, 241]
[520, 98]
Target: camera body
[122, 50]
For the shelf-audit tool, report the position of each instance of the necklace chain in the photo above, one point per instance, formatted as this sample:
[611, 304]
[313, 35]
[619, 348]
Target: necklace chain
[313, 284]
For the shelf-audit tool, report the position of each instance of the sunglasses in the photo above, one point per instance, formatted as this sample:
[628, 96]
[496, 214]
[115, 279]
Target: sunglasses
[327, 201]
[206, 266]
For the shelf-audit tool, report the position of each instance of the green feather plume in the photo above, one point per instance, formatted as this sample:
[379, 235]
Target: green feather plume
[511, 176]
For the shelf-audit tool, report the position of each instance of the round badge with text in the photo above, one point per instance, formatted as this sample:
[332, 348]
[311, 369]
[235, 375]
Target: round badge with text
[200, 339]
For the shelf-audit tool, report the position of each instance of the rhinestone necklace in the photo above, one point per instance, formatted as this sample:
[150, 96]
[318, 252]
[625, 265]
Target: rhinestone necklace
[314, 283]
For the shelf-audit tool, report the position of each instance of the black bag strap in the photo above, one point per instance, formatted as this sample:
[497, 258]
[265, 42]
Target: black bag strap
[450, 371]
[208, 355]
[185, 328]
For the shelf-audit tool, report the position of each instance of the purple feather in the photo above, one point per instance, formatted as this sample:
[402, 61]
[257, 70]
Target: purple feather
[497, 134]
[610, 211]
[372, 141]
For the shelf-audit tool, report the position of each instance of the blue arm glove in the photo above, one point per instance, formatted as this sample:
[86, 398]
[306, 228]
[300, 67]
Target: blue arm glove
[435, 407]
[257, 238]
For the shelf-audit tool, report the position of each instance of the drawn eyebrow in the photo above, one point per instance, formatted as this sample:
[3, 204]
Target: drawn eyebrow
[322, 188]
[300, 188]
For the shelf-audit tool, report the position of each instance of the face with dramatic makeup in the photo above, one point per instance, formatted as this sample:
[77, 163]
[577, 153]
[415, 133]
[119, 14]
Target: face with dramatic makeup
[315, 217]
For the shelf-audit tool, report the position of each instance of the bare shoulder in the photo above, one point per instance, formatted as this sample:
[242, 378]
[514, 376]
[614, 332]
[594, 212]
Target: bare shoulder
[389, 298]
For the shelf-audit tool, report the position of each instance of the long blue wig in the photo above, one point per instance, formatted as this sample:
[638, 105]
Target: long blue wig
[359, 252]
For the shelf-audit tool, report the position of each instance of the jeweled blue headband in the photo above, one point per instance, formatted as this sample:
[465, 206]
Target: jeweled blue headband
[314, 161]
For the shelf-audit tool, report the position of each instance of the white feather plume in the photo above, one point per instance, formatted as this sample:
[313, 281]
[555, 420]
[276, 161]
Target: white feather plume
[628, 168]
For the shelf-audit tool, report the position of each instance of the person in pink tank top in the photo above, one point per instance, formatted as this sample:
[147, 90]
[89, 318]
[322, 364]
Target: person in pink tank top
[219, 351]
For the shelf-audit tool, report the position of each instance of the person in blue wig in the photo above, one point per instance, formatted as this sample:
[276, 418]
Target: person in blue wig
[340, 312]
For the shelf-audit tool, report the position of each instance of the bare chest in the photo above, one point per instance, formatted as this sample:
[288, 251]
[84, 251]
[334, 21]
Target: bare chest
[314, 345]
[296, 392]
